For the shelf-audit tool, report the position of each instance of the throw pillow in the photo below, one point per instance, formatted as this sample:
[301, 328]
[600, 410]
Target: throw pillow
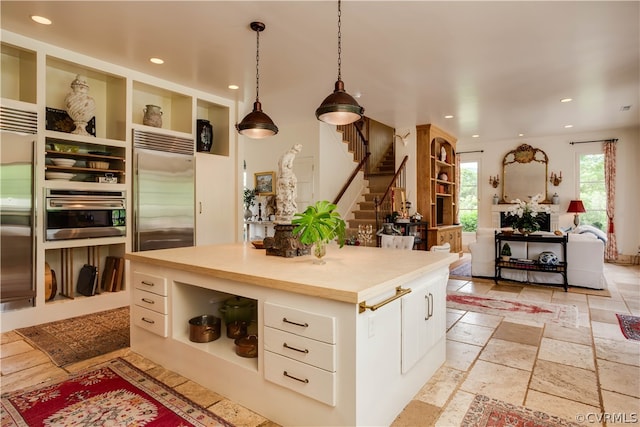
[581, 229]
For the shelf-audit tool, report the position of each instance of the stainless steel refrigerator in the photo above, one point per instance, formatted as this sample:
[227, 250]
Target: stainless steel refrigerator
[17, 213]
[164, 191]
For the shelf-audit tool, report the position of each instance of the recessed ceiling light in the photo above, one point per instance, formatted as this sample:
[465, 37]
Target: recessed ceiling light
[157, 60]
[233, 87]
[521, 134]
[41, 20]
[566, 100]
[448, 116]
[475, 136]
[568, 126]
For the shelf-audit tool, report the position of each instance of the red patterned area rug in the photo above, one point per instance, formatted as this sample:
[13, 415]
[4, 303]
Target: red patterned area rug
[488, 412]
[114, 394]
[565, 315]
[630, 326]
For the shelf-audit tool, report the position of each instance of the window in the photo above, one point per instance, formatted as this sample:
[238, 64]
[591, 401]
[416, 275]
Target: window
[592, 190]
[469, 196]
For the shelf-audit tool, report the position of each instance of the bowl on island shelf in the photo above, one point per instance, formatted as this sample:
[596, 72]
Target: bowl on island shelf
[258, 244]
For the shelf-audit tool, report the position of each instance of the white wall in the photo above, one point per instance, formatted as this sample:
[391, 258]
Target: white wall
[333, 163]
[562, 157]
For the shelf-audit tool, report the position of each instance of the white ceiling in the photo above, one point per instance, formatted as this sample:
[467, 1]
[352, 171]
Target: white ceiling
[500, 68]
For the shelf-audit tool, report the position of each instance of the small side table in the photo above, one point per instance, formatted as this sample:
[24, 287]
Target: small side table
[530, 264]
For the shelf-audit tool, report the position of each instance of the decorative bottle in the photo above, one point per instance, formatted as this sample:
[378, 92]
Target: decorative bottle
[79, 105]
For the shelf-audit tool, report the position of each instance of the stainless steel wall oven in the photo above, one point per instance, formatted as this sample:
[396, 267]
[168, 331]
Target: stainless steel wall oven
[73, 214]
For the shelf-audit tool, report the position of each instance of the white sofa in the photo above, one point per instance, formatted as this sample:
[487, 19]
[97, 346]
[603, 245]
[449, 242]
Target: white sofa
[585, 259]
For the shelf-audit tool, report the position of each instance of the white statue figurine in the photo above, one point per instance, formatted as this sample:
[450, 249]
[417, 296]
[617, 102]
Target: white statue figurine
[443, 154]
[286, 193]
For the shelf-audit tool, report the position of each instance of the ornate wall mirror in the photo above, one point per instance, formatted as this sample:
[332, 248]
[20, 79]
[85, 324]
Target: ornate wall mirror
[524, 174]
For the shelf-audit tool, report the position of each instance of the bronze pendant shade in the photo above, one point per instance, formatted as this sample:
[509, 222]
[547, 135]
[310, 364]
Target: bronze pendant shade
[257, 124]
[339, 108]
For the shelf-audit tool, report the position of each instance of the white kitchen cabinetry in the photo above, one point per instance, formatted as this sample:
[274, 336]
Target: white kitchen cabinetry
[36, 77]
[216, 199]
[216, 195]
[300, 351]
[423, 319]
[150, 303]
[18, 68]
[321, 360]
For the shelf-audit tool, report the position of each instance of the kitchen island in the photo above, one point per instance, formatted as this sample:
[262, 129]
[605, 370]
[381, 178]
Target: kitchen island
[349, 342]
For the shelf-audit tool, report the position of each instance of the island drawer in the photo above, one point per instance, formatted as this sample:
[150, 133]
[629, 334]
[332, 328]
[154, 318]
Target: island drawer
[151, 301]
[312, 352]
[311, 325]
[313, 382]
[152, 321]
[149, 282]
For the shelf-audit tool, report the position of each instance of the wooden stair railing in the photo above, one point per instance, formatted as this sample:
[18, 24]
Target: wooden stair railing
[359, 146]
[346, 185]
[383, 205]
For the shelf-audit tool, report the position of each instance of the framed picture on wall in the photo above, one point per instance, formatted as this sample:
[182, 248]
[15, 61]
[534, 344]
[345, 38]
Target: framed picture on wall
[265, 183]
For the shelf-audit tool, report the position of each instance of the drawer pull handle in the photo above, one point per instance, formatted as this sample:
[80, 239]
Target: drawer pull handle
[148, 301]
[399, 293]
[306, 381]
[304, 325]
[285, 345]
[144, 319]
[147, 283]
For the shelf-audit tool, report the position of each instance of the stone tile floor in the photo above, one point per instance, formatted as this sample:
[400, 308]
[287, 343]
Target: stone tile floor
[563, 371]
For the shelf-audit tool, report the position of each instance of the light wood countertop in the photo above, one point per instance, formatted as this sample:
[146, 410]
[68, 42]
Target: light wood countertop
[351, 274]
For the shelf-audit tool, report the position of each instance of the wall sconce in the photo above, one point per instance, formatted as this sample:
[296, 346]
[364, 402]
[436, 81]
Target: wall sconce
[494, 181]
[555, 179]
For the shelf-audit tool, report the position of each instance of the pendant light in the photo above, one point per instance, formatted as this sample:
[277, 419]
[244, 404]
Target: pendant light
[339, 108]
[257, 124]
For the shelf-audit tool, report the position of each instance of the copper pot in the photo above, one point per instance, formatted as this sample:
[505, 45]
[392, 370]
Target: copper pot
[205, 328]
[237, 329]
[247, 346]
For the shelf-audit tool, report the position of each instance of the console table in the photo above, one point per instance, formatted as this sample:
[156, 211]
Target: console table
[530, 264]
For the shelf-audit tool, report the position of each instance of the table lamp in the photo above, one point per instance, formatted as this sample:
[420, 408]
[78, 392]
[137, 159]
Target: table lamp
[576, 207]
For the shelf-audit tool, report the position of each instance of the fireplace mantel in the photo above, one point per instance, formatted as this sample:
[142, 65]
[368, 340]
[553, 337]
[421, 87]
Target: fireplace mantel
[554, 212]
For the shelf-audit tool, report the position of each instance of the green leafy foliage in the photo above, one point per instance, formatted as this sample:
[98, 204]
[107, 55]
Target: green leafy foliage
[469, 196]
[319, 223]
[469, 220]
[248, 197]
[592, 190]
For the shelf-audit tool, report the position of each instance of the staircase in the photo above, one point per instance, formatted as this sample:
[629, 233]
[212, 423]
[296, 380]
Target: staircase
[378, 180]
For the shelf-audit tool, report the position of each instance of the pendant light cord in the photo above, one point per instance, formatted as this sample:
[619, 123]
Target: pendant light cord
[339, 41]
[257, 65]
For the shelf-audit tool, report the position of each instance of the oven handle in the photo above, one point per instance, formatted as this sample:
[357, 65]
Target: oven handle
[76, 204]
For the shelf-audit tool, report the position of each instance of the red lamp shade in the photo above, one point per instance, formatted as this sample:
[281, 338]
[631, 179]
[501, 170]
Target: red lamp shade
[576, 206]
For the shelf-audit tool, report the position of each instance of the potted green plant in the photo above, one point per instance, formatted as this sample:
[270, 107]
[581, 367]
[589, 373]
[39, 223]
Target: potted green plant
[318, 225]
[506, 252]
[248, 199]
